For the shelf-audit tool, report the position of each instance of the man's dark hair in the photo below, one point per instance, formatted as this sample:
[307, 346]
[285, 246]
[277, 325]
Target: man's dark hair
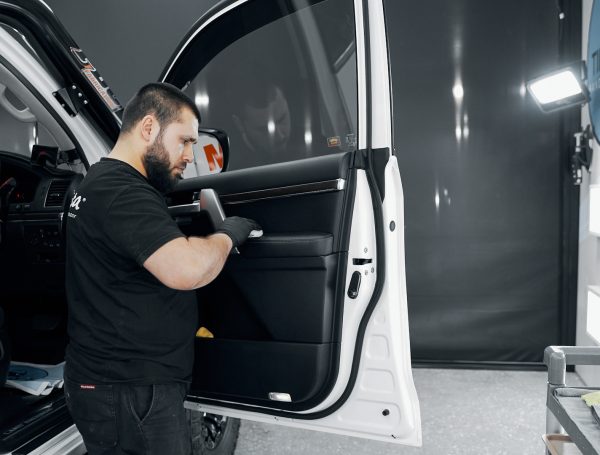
[163, 100]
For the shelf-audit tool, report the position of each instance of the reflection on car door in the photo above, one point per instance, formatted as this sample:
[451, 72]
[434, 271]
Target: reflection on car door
[310, 321]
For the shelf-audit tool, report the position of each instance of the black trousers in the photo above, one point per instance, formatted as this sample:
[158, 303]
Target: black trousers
[119, 419]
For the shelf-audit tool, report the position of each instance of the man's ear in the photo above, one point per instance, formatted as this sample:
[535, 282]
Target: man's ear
[149, 128]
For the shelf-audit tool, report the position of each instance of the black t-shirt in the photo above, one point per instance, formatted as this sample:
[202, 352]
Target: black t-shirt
[124, 324]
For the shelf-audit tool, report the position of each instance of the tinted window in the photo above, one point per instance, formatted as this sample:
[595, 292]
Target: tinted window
[283, 90]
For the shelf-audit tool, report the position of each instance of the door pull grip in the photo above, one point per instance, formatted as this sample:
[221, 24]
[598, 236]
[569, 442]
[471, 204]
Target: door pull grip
[354, 285]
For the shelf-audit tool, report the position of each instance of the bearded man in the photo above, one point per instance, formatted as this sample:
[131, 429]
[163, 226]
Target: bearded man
[130, 276]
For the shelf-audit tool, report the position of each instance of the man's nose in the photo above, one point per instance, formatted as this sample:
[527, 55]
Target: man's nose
[188, 154]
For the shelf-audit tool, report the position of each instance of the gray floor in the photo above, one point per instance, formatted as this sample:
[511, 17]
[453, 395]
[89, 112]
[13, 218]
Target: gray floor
[463, 412]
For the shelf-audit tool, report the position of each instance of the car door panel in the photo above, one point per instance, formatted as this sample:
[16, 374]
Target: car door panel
[273, 310]
[257, 369]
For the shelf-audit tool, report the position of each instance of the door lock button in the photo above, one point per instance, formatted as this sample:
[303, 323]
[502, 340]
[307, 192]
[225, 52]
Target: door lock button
[354, 285]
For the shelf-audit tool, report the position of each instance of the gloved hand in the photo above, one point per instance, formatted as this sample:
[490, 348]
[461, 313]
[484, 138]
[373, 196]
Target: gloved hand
[238, 229]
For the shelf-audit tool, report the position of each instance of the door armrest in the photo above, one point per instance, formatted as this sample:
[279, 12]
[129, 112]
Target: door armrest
[293, 244]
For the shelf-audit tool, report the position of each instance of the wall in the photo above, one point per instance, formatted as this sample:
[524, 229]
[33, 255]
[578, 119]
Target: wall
[589, 245]
[484, 211]
[128, 41]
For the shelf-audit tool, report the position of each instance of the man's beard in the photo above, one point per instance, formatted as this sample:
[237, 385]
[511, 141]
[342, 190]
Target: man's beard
[158, 167]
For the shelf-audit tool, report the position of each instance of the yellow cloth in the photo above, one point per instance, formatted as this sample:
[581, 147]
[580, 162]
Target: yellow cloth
[592, 398]
[203, 332]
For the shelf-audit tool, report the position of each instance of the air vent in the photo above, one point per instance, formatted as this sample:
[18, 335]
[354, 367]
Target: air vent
[56, 193]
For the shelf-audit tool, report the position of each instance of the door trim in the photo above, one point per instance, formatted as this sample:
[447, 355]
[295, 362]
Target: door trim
[285, 191]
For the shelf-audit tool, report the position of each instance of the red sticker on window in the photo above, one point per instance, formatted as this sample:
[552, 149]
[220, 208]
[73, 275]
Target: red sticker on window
[214, 158]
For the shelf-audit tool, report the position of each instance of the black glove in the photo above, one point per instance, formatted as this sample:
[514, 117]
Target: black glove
[238, 229]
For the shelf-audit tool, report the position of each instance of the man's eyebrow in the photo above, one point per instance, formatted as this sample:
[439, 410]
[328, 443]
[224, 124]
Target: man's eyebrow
[191, 139]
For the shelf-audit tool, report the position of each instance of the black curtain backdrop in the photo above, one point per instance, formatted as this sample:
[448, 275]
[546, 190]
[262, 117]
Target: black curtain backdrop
[491, 217]
[489, 206]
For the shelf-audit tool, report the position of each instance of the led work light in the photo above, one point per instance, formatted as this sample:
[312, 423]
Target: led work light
[560, 89]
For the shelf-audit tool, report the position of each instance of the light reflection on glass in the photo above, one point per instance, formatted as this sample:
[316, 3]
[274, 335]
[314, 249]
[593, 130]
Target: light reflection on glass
[271, 127]
[308, 138]
[308, 129]
[201, 100]
[458, 91]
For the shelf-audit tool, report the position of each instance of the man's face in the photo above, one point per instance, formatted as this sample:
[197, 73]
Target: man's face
[166, 158]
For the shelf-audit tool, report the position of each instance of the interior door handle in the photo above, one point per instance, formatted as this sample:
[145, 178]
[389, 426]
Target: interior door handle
[209, 201]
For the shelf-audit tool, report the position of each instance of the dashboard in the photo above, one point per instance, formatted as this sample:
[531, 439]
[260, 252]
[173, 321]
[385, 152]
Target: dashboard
[26, 183]
[33, 182]
[31, 248]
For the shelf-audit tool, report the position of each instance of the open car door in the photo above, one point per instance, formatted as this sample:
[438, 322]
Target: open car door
[307, 326]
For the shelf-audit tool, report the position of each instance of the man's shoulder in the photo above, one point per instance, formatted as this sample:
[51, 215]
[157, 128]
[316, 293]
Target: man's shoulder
[111, 176]
[108, 168]
[106, 184]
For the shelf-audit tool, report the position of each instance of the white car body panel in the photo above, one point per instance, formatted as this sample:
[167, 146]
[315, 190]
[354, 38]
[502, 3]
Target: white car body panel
[381, 111]
[90, 141]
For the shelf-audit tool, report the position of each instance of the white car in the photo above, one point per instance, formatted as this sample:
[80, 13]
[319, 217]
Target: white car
[309, 322]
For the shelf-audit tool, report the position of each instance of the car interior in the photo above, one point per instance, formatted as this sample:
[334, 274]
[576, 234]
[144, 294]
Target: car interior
[38, 163]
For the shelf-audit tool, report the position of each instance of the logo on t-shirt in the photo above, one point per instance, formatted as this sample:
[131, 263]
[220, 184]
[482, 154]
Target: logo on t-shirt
[75, 204]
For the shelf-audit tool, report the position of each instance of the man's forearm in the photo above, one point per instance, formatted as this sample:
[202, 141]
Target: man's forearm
[212, 252]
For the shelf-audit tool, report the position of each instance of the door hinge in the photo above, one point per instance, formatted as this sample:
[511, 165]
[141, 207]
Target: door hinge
[71, 99]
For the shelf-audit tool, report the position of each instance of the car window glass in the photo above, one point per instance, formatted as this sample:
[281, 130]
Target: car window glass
[285, 90]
